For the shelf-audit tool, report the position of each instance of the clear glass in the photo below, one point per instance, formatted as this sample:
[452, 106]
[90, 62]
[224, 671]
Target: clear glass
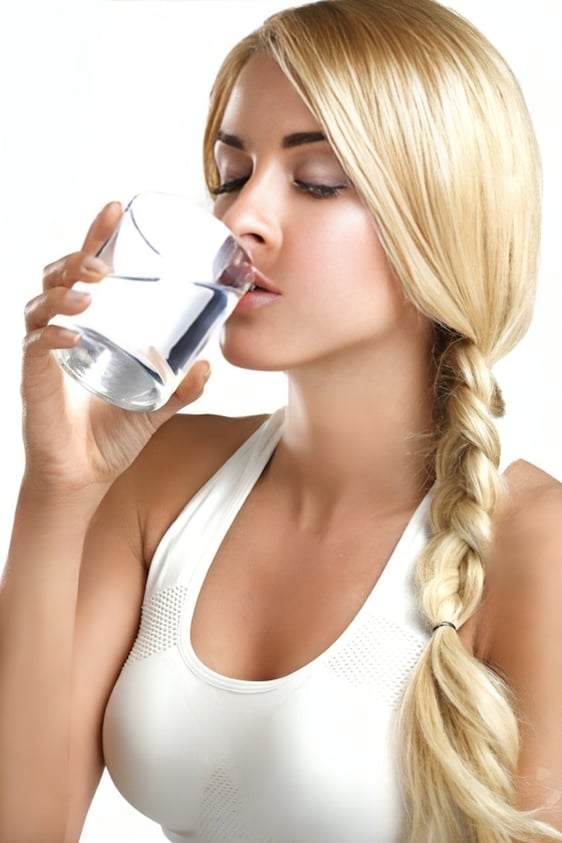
[177, 273]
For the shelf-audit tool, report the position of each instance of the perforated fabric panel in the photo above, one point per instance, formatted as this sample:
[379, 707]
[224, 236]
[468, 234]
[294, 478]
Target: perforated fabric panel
[160, 619]
[220, 810]
[379, 653]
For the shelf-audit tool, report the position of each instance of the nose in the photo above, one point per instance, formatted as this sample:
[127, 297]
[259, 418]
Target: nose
[253, 214]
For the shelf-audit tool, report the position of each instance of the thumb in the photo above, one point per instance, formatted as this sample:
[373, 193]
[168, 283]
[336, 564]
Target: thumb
[190, 389]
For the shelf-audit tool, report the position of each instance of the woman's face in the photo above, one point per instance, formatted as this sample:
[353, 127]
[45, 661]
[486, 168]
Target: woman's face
[328, 288]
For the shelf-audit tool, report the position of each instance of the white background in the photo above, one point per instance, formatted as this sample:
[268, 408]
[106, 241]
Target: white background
[102, 99]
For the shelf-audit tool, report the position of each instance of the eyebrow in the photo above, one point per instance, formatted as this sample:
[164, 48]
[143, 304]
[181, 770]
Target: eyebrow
[288, 142]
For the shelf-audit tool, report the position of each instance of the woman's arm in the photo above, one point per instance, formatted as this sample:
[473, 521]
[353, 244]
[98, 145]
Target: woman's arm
[37, 602]
[61, 637]
[62, 640]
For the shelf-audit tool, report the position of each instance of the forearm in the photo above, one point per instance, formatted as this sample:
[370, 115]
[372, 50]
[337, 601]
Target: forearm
[37, 611]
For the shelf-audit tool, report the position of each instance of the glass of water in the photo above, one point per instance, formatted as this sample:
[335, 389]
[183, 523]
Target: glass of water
[176, 274]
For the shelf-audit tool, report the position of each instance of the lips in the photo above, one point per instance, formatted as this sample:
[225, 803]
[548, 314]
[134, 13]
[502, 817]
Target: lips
[263, 284]
[261, 293]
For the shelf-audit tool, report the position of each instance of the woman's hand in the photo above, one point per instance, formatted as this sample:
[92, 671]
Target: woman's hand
[73, 441]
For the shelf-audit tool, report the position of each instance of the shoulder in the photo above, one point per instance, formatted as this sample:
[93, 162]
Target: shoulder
[530, 524]
[177, 462]
[522, 639]
[200, 442]
[522, 606]
[526, 483]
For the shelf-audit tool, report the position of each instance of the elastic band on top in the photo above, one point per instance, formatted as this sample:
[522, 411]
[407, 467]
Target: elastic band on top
[444, 623]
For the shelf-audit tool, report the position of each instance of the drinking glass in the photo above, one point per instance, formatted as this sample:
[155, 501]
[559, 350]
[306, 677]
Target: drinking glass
[176, 274]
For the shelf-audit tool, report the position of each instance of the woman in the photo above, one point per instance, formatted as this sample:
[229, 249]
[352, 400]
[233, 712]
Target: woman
[289, 681]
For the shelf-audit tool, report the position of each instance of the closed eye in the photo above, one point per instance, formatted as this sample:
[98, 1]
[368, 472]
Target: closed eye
[230, 186]
[319, 191]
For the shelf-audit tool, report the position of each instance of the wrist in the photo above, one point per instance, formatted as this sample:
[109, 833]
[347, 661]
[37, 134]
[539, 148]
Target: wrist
[39, 490]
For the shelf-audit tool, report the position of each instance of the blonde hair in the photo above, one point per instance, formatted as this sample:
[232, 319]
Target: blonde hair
[431, 126]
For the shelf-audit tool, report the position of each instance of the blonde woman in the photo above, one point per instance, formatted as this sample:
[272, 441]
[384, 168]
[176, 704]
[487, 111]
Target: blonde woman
[340, 623]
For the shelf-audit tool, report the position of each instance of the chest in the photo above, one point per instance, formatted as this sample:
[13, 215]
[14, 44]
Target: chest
[307, 758]
[277, 595]
[314, 748]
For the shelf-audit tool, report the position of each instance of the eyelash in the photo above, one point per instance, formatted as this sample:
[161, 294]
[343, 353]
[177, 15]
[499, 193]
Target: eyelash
[319, 191]
[316, 191]
[229, 186]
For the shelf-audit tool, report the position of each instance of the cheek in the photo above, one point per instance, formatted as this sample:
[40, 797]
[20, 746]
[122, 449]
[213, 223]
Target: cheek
[344, 253]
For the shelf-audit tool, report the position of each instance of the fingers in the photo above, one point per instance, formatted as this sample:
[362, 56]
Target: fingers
[59, 300]
[103, 225]
[41, 338]
[83, 265]
[37, 344]
[76, 267]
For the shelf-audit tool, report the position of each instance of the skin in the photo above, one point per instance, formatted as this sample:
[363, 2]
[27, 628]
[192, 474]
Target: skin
[101, 486]
[339, 319]
[518, 628]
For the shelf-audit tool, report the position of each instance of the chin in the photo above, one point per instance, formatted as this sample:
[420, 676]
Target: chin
[250, 358]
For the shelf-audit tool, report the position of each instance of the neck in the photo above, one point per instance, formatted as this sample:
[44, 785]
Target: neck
[358, 432]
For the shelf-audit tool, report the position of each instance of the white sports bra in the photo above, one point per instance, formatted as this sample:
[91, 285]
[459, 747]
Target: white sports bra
[306, 758]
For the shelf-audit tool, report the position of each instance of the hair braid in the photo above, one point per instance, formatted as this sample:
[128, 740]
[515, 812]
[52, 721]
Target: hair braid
[468, 484]
[458, 726]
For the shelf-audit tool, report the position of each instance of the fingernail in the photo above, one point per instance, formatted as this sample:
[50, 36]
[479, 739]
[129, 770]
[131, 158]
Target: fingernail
[68, 337]
[206, 372]
[74, 297]
[95, 265]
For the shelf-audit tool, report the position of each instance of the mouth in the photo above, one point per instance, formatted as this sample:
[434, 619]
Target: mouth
[261, 293]
[263, 284]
